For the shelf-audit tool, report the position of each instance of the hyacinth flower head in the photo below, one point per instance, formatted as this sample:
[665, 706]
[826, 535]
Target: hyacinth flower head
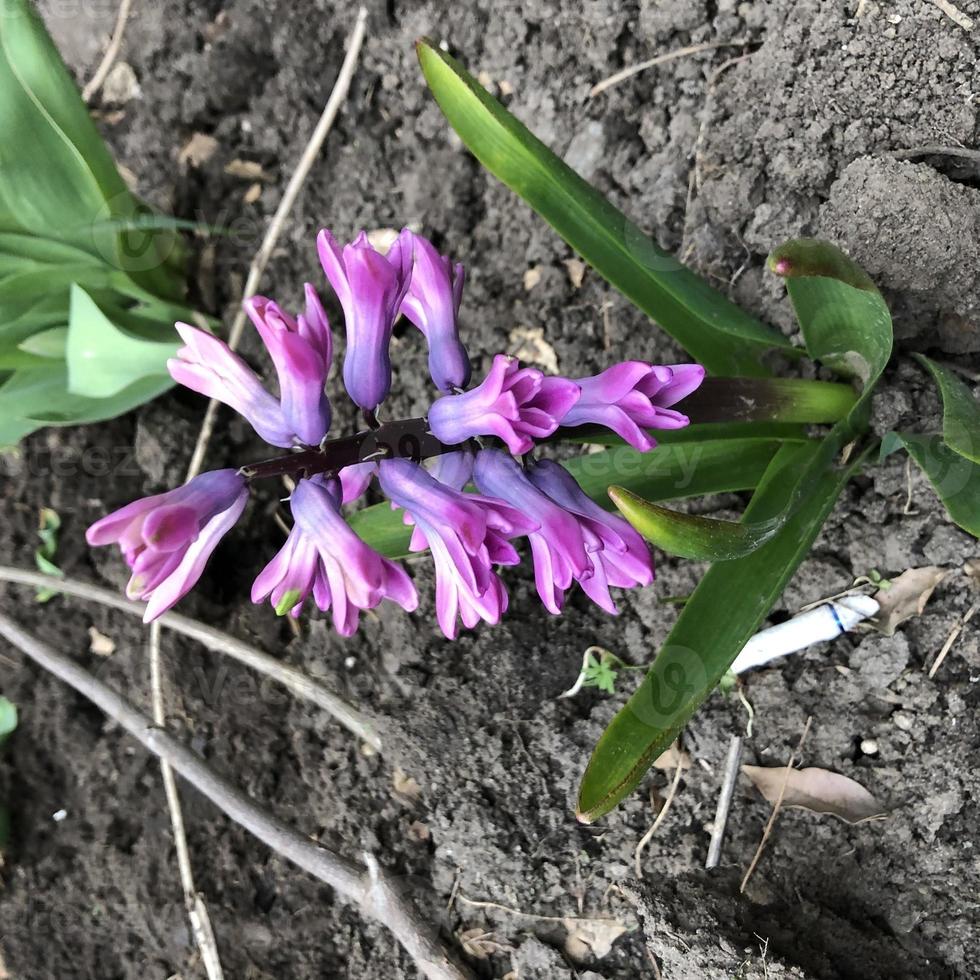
[467, 436]
[557, 544]
[618, 555]
[210, 367]
[301, 350]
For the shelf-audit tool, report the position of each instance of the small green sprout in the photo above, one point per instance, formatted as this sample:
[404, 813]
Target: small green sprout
[599, 672]
[49, 523]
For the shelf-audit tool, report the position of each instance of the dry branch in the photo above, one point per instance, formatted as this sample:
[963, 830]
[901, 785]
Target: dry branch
[366, 885]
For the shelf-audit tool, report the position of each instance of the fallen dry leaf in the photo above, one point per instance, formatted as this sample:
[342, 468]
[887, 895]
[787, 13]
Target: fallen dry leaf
[906, 597]
[668, 760]
[247, 170]
[971, 569]
[197, 150]
[529, 345]
[591, 938]
[576, 271]
[253, 193]
[100, 644]
[818, 790]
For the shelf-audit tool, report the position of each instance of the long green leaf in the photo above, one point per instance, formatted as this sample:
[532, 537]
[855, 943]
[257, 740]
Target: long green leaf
[955, 478]
[961, 411]
[666, 473]
[716, 332]
[725, 610]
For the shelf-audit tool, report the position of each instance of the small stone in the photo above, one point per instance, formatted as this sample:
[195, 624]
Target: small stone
[869, 746]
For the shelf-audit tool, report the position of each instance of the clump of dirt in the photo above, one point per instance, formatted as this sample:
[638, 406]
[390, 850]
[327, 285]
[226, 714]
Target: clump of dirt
[721, 159]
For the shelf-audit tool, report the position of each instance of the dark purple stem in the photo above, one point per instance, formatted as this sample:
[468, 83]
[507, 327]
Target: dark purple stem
[402, 439]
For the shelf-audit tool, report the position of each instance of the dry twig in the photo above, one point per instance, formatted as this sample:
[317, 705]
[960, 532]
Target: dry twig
[365, 885]
[954, 14]
[724, 802]
[111, 52]
[622, 76]
[953, 637]
[300, 684]
[671, 793]
[776, 806]
[197, 911]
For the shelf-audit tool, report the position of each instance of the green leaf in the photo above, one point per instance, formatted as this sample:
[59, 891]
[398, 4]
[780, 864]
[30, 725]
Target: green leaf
[8, 719]
[716, 332]
[726, 609]
[49, 344]
[49, 526]
[961, 411]
[666, 473]
[955, 478]
[692, 535]
[104, 360]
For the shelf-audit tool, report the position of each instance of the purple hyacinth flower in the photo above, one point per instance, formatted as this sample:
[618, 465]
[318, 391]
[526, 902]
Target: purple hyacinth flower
[322, 556]
[516, 404]
[210, 367]
[432, 304]
[466, 533]
[633, 396]
[370, 287]
[558, 546]
[301, 350]
[618, 554]
[167, 539]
